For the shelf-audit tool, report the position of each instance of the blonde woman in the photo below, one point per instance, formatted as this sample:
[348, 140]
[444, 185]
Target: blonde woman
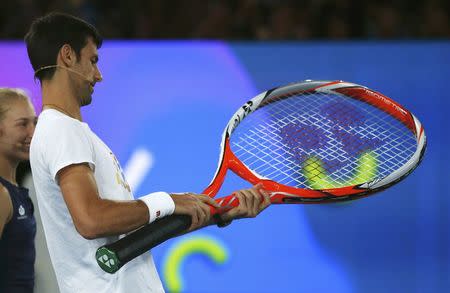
[17, 222]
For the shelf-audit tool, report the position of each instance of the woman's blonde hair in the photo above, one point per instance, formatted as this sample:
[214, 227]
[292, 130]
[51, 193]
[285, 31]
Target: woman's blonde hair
[10, 94]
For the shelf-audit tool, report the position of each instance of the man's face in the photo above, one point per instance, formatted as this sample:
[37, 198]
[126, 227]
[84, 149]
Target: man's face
[87, 66]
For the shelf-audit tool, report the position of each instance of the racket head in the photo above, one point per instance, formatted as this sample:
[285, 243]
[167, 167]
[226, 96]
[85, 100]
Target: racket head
[320, 141]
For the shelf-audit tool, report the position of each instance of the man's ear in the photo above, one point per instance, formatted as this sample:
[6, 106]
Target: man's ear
[67, 55]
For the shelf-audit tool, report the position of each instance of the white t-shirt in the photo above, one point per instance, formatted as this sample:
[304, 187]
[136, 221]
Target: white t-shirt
[60, 141]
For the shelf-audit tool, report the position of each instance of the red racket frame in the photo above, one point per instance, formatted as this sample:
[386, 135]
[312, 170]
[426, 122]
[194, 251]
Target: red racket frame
[281, 194]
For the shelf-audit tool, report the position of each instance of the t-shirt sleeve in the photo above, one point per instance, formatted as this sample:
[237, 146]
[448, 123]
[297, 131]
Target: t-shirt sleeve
[67, 143]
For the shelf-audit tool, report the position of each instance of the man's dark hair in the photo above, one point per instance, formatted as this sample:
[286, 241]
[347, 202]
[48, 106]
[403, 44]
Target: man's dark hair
[49, 33]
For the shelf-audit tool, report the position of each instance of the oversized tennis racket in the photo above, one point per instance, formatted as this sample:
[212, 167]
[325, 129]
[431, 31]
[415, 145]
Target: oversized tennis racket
[307, 142]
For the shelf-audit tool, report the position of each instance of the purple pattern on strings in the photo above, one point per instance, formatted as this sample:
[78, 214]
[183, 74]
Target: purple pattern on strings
[306, 137]
[353, 144]
[343, 114]
[304, 140]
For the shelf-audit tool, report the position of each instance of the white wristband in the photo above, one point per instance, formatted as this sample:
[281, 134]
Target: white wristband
[159, 204]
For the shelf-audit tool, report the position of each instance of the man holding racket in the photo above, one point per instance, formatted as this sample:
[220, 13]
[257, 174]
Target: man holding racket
[84, 199]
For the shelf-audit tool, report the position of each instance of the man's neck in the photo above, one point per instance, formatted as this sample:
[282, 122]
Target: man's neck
[55, 95]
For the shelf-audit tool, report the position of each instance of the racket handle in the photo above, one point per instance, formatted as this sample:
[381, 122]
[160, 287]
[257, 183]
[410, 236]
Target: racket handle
[113, 256]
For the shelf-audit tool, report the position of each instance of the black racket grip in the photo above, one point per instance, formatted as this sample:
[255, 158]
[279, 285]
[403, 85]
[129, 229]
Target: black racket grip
[112, 257]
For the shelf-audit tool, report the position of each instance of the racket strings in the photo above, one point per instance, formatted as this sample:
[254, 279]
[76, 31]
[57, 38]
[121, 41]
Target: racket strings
[322, 140]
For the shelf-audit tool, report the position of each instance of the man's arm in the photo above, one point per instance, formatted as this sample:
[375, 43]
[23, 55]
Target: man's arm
[6, 209]
[95, 217]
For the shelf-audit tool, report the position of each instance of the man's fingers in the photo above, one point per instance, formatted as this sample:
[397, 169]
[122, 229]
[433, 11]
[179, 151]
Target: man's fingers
[208, 200]
[266, 202]
[204, 205]
[195, 205]
[258, 186]
[206, 213]
[256, 200]
[264, 198]
[202, 214]
[195, 220]
[259, 199]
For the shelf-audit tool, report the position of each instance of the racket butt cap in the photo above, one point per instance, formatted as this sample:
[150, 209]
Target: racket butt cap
[107, 260]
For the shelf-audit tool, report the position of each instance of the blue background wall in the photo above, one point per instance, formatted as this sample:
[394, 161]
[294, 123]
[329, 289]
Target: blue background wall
[171, 100]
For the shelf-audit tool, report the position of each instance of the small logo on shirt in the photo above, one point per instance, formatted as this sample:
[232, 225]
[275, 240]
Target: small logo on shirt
[120, 177]
[21, 213]
[21, 210]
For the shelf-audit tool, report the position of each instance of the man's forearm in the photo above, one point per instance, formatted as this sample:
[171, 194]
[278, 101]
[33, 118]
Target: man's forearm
[108, 218]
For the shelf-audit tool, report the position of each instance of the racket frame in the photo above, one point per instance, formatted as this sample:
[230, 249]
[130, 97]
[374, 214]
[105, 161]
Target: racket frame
[286, 194]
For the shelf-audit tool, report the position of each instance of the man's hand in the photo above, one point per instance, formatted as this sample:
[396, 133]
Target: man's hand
[198, 206]
[251, 202]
